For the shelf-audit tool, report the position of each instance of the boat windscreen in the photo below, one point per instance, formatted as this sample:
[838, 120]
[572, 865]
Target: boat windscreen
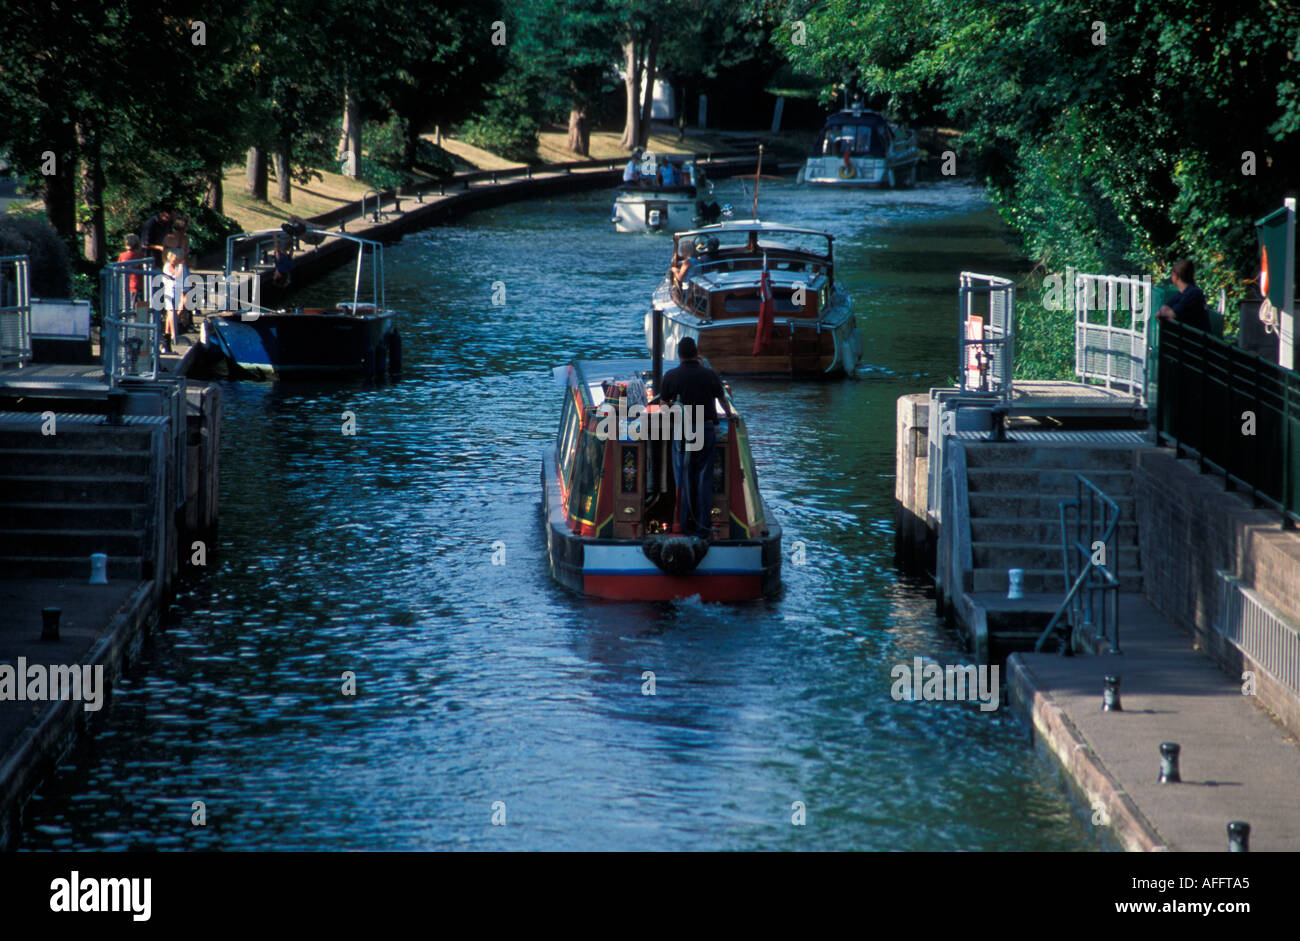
[755, 240]
[858, 140]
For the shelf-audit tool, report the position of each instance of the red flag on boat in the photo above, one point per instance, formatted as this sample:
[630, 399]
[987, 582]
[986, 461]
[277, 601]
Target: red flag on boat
[1263, 273]
[766, 311]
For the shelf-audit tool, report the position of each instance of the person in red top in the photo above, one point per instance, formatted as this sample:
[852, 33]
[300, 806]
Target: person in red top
[134, 283]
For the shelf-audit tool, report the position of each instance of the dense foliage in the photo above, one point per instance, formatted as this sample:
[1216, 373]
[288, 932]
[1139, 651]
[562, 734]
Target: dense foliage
[1113, 136]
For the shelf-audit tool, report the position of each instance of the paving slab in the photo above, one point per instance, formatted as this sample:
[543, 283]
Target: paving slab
[1237, 763]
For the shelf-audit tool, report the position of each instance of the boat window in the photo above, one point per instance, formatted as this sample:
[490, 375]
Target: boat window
[586, 482]
[859, 139]
[737, 242]
[749, 479]
[570, 421]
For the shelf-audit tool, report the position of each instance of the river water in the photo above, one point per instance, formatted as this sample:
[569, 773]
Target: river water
[479, 683]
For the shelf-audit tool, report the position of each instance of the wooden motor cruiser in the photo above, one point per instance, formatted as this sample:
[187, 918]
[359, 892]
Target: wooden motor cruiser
[746, 272]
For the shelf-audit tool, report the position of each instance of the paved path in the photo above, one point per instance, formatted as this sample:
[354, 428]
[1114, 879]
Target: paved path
[1236, 762]
[99, 623]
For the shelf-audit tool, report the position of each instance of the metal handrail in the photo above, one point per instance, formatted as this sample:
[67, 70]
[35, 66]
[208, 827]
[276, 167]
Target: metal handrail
[1205, 388]
[1100, 525]
[19, 288]
[126, 336]
[378, 204]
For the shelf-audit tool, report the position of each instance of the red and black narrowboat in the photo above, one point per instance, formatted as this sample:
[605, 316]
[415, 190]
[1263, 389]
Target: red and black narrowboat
[609, 498]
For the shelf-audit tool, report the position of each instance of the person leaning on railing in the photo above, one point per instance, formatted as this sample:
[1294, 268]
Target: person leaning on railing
[1188, 307]
[134, 282]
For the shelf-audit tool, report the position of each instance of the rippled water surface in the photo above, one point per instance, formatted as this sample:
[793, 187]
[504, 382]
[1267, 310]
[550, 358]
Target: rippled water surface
[479, 683]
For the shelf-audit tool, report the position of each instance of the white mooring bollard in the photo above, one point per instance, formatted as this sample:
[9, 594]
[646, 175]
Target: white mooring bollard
[98, 568]
[1015, 582]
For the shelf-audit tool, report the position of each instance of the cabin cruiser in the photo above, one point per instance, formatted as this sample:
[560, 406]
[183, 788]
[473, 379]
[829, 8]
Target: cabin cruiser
[610, 500]
[759, 299]
[355, 337]
[673, 196]
[861, 148]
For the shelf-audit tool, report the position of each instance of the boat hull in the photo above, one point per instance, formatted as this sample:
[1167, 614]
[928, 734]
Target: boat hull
[635, 211]
[619, 570]
[828, 347]
[866, 172]
[302, 345]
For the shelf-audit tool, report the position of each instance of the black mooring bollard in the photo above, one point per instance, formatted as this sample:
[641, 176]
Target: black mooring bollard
[1169, 763]
[1238, 837]
[50, 623]
[1110, 695]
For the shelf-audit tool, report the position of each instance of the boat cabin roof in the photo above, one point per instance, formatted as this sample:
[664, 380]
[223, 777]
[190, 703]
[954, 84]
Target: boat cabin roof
[852, 116]
[590, 375]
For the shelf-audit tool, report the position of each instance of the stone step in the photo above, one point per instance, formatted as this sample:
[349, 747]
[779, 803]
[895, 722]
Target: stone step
[1045, 480]
[119, 567]
[1041, 581]
[1017, 455]
[1044, 531]
[18, 488]
[48, 516]
[1028, 555]
[69, 462]
[1035, 505]
[69, 543]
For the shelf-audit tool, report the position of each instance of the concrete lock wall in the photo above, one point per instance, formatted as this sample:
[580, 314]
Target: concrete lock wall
[914, 540]
[1191, 530]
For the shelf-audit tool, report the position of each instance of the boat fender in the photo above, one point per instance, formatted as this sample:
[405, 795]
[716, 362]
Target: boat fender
[394, 353]
[848, 171]
[676, 555]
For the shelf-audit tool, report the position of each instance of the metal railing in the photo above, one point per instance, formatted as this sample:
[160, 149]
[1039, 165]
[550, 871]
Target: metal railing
[1258, 630]
[986, 339]
[1235, 412]
[15, 311]
[132, 319]
[1088, 542]
[1113, 353]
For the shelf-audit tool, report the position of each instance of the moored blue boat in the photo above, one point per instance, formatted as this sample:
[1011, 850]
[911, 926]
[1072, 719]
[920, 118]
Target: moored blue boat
[355, 338]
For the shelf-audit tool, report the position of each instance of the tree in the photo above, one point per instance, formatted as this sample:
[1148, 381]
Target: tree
[571, 47]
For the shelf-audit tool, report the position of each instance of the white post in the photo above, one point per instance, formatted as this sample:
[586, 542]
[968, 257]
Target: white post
[1286, 316]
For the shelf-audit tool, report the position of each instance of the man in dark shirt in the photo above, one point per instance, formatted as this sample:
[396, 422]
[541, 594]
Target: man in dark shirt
[1189, 306]
[696, 387]
[156, 228]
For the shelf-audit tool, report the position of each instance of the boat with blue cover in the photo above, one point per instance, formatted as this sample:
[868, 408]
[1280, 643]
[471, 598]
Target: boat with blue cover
[354, 338]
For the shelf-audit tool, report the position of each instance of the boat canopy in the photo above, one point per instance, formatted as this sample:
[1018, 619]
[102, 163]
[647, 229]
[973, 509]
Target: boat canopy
[754, 236]
[858, 133]
[255, 251]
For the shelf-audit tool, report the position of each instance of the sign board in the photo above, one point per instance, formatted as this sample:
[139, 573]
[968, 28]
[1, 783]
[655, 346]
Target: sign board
[1277, 265]
[974, 354]
[63, 320]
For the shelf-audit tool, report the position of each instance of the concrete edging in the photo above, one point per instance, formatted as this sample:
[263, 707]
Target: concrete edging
[43, 743]
[1080, 763]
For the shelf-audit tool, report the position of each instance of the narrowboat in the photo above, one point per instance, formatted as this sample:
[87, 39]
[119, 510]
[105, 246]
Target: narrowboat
[609, 498]
[759, 299]
[674, 196]
[354, 338]
[861, 148]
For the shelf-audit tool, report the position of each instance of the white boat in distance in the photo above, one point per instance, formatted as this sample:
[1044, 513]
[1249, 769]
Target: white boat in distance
[670, 198]
[861, 148]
